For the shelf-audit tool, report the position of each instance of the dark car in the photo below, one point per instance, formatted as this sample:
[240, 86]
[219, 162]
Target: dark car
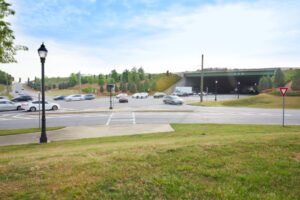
[59, 98]
[123, 99]
[89, 96]
[22, 98]
[172, 100]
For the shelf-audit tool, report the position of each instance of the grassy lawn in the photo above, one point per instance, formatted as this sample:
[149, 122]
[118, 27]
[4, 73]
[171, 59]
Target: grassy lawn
[25, 130]
[258, 101]
[197, 161]
[64, 92]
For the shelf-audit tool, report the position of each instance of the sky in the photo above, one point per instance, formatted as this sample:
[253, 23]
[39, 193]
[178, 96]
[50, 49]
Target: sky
[96, 36]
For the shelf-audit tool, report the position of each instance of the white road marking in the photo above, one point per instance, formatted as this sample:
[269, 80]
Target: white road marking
[133, 118]
[109, 119]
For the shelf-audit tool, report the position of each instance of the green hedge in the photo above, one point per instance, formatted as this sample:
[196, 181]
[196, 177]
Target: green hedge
[278, 93]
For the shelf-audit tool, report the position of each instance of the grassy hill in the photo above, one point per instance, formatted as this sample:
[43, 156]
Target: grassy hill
[164, 81]
[258, 101]
[197, 161]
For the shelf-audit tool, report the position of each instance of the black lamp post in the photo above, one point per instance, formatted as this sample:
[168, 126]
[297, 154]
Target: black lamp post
[110, 87]
[216, 84]
[43, 54]
[238, 89]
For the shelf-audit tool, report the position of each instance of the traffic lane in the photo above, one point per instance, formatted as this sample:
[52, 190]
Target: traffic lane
[32, 121]
[134, 103]
[115, 118]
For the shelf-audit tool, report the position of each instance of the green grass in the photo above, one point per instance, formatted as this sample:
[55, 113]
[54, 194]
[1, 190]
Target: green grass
[25, 130]
[197, 161]
[258, 101]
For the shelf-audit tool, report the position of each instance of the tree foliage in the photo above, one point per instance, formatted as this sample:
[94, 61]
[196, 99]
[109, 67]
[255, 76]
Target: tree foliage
[264, 83]
[7, 47]
[296, 80]
[279, 78]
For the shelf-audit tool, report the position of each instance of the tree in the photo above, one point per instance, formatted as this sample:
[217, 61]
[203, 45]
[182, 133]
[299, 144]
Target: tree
[264, 83]
[153, 86]
[101, 89]
[146, 85]
[140, 87]
[101, 80]
[141, 73]
[7, 48]
[123, 87]
[114, 75]
[125, 75]
[296, 80]
[279, 78]
[90, 79]
[132, 87]
[72, 80]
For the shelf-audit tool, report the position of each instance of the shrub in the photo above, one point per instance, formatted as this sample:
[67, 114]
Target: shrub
[88, 89]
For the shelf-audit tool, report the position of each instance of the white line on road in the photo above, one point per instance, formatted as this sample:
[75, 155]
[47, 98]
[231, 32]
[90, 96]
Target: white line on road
[133, 118]
[109, 119]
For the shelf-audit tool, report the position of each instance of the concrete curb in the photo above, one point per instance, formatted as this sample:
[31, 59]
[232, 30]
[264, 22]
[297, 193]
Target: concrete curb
[106, 111]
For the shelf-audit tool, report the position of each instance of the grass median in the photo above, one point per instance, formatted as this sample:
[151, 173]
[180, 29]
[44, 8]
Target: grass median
[26, 130]
[258, 101]
[196, 161]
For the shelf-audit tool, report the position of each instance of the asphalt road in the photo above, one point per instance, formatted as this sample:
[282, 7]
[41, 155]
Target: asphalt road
[199, 115]
[182, 114]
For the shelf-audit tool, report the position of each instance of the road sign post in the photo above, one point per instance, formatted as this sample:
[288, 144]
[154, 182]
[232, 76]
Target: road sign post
[283, 93]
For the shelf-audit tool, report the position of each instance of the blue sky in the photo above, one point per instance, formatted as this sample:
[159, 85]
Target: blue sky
[95, 36]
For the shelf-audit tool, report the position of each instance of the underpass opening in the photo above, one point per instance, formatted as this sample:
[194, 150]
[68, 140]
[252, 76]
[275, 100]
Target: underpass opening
[227, 80]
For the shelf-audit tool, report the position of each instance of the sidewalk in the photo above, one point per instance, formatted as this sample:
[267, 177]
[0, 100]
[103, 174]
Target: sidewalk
[79, 132]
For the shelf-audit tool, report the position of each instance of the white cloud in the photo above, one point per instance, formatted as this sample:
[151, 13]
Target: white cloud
[230, 35]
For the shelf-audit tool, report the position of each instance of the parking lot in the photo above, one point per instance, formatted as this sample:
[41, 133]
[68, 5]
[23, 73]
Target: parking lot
[144, 111]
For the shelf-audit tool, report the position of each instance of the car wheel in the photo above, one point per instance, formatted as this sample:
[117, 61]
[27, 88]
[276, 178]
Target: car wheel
[19, 108]
[32, 109]
[54, 107]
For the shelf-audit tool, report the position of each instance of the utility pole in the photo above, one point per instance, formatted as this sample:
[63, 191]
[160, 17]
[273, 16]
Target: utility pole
[7, 91]
[201, 86]
[79, 79]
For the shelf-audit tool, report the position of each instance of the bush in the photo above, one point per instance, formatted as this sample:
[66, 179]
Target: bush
[101, 89]
[88, 89]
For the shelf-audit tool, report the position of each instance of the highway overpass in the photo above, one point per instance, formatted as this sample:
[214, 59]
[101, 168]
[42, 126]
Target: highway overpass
[227, 79]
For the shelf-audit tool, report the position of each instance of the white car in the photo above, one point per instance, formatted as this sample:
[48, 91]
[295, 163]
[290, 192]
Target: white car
[36, 105]
[142, 95]
[9, 105]
[75, 97]
[121, 95]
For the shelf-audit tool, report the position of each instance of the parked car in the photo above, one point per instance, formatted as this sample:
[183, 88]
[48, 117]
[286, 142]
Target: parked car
[136, 95]
[123, 99]
[59, 98]
[173, 100]
[3, 97]
[9, 105]
[121, 95]
[159, 95]
[89, 96]
[75, 97]
[36, 105]
[22, 98]
[142, 95]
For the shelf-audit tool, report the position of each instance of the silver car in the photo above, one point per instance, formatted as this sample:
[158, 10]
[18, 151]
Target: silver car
[9, 105]
[175, 100]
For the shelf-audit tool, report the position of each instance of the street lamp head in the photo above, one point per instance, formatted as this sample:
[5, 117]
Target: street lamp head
[42, 51]
[216, 82]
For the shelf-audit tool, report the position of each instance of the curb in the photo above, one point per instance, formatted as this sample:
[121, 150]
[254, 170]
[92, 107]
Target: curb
[109, 111]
